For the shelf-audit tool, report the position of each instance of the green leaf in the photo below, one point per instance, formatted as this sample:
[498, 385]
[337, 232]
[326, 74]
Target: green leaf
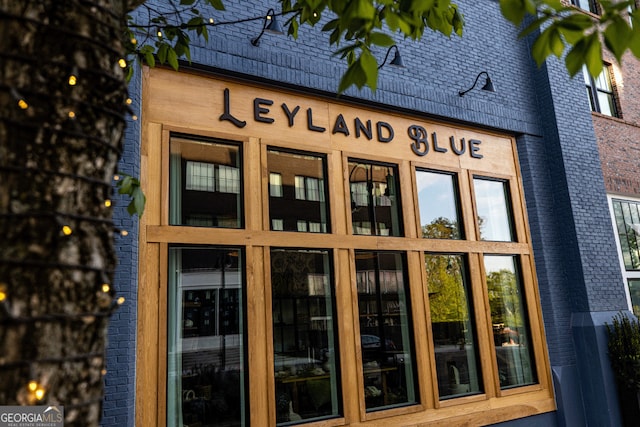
[594, 55]
[172, 58]
[162, 53]
[617, 36]
[370, 68]
[149, 59]
[541, 47]
[381, 39]
[354, 75]
[217, 4]
[513, 10]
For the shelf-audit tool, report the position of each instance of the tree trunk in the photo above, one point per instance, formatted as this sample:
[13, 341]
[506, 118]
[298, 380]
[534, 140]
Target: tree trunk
[58, 155]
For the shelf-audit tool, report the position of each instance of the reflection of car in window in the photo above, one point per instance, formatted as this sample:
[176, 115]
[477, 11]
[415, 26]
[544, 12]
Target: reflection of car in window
[373, 341]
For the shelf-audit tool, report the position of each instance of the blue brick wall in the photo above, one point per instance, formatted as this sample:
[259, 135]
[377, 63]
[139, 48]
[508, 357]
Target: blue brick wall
[119, 403]
[574, 248]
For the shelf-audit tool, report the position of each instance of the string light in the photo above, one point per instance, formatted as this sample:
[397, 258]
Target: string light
[128, 101]
[116, 178]
[66, 230]
[210, 20]
[134, 117]
[105, 287]
[122, 63]
[3, 292]
[124, 233]
[73, 77]
[39, 393]
[120, 300]
[32, 386]
[159, 33]
[19, 99]
[107, 203]
[72, 115]
[134, 41]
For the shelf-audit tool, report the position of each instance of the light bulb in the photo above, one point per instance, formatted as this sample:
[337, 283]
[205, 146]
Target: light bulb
[134, 41]
[39, 393]
[3, 295]
[23, 104]
[105, 287]
[122, 63]
[67, 230]
[159, 33]
[120, 301]
[124, 233]
[32, 386]
[72, 115]
[72, 80]
[134, 117]
[116, 178]
[107, 203]
[210, 20]
[128, 101]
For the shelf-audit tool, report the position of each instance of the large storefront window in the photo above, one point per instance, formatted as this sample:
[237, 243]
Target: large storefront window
[334, 266]
[206, 379]
[509, 320]
[454, 332]
[205, 185]
[304, 336]
[385, 330]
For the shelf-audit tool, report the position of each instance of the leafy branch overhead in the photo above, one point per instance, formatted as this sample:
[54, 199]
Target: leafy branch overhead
[564, 29]
[355, 27]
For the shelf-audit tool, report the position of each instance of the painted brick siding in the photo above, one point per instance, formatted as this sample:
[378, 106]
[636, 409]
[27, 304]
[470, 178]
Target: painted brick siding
[119, 403]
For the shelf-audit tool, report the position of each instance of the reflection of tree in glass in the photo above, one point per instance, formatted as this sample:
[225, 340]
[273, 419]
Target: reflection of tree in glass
[441, 228]
[446, 291]
[504, 298]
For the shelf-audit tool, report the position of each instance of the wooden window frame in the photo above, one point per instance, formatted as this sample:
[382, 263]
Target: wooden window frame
[160, 121]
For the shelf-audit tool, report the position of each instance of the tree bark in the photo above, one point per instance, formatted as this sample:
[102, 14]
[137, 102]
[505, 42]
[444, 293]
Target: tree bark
[58, 155]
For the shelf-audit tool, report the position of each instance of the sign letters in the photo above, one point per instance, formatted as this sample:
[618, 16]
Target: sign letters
[420, 141]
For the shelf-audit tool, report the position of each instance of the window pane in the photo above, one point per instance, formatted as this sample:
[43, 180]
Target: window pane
[454, 334]
[605, 101]
[275, 185]
[492, 203]
[205, 341]
[627, 217]
[375, 202]
[510, 323]
[205, 185]
[304, 336]
[302, 195]
[438, 203]
[386, 333]
[634, 291]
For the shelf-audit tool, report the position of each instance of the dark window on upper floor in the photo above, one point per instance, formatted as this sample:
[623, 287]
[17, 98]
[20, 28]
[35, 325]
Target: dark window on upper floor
[590, 5]
[600, 92]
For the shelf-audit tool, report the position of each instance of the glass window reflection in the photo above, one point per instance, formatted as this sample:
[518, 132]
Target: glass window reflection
[375, 202]
[494, 215]
[206, 355]
[385, 330]
[205, 183]
[454, 334]
[305, 349]
[438, 205]
[297, 188]
[510, 321]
